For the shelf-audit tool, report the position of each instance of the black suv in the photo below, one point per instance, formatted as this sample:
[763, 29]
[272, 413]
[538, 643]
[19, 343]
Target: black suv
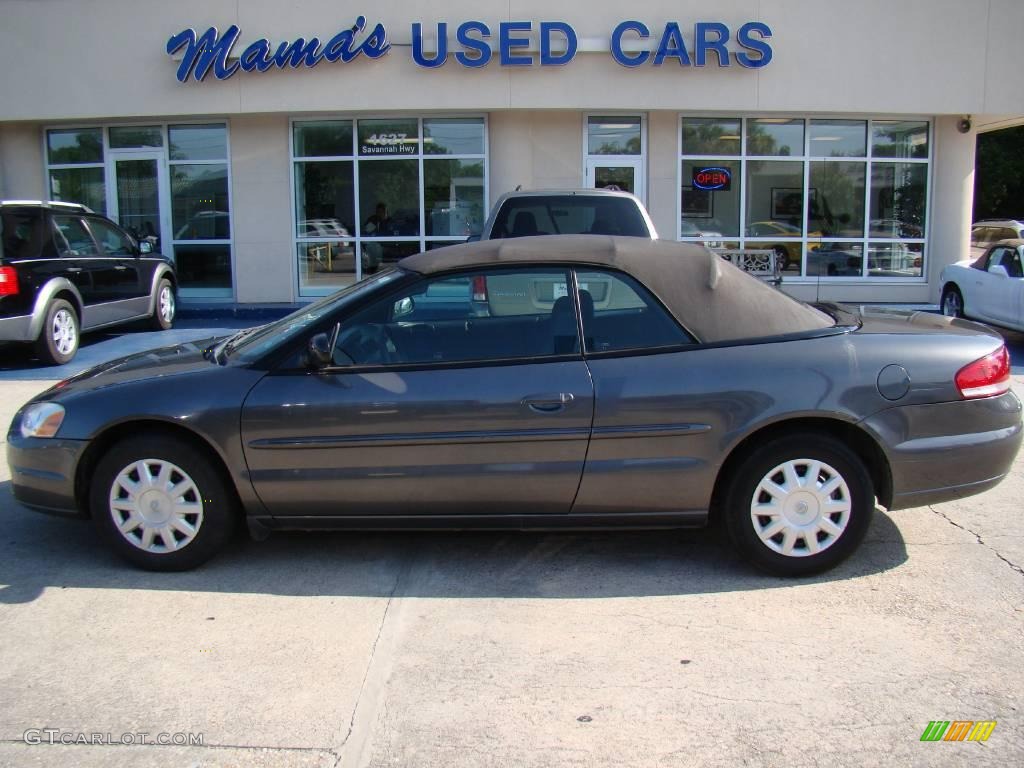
[65, 269]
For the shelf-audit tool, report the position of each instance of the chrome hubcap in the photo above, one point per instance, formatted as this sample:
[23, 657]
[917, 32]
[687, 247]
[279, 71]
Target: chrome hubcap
[166, 304]
[156, 506]
[65, 337]
[801, 508]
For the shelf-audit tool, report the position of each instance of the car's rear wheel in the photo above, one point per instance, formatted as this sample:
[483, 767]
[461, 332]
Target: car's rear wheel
[952, 302]
[161, 504]
[58, 339]
[164, 309]
[799, 504]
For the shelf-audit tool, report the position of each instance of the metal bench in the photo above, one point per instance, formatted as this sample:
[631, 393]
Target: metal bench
[762, 263]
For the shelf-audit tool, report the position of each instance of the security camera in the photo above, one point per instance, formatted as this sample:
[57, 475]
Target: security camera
[964, 125]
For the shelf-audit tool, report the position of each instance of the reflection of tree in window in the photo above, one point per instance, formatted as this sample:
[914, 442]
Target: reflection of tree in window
[711, 137]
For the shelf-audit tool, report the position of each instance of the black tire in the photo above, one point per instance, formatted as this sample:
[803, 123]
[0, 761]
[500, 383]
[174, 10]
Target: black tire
[744, 489]
[216, 509]
[59, 337]
[164, 306]
[952, 303]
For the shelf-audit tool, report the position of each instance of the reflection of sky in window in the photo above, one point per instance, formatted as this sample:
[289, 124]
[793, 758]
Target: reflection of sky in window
[605, 133]
[198, 142]
[453, 137]
[838, 138]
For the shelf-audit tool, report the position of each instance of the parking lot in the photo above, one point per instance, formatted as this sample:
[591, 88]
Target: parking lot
[508, 649]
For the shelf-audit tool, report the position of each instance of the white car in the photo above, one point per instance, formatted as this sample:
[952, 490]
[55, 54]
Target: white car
[990, 288]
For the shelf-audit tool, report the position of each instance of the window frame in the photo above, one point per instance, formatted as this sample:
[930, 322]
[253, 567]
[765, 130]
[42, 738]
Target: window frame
[306, 294]
[805, 242]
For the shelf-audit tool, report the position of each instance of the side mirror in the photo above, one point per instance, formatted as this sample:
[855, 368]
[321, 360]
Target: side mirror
[320, 350]
[403, 307]
[998, 269]
[145, 247]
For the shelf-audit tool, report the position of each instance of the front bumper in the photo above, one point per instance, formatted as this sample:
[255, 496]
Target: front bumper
[43, 473]
[947, 451]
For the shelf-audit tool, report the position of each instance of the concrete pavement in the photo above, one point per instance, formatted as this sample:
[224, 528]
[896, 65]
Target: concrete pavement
[495, 649]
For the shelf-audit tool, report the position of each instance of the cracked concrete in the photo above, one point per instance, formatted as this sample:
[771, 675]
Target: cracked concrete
[604, 649]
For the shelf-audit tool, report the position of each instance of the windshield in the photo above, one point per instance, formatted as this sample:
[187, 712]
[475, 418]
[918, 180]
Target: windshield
[569, 215]
[259, 342]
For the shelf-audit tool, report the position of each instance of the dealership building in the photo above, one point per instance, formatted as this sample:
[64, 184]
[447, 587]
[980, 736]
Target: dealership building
[281, 150]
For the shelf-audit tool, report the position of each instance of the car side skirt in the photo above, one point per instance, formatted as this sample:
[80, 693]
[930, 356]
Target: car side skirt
[632, 521]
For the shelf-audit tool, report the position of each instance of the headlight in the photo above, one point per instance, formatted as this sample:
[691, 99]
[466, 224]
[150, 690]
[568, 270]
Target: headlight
[41, 420]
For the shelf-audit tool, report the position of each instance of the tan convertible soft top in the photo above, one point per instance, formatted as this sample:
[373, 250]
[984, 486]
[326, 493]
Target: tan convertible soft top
[708, 295]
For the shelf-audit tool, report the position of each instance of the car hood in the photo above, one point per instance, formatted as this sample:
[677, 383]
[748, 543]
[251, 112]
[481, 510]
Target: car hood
[175, 360]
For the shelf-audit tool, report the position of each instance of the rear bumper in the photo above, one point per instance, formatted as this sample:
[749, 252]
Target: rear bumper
[16, 328]
[43, 473]
[947, 451]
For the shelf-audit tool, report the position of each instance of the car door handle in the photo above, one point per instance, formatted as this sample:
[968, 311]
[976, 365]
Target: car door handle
[548, 403]
[74, 269]
[120, 267]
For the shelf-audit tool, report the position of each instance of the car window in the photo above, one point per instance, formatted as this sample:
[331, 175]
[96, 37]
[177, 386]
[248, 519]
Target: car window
[23, 235]
[569, 215]
[451, 319]
[114, 241]
[1007, 233]
[74, 239]
[619, 314]
[1013, 264]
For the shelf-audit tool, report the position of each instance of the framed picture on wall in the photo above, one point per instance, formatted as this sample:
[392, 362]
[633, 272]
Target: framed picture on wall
[787, 203]
[697, 203]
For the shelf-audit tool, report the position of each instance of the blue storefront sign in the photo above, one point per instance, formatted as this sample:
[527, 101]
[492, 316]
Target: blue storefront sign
[474, 44]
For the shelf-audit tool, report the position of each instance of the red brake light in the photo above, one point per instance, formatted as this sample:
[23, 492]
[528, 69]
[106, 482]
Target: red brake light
[985, 377]
[479, 288]
[8, 281]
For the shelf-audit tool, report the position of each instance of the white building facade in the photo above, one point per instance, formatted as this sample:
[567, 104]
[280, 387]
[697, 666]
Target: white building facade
[280, 151]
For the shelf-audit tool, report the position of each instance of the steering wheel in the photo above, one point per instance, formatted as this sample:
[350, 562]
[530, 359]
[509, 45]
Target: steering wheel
[367, 344]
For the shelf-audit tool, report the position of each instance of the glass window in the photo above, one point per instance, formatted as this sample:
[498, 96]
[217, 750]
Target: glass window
[79, 185]
[330, 264]
[199, 201]
[613, 136]
[618, 314]
[75, 236]
[836, 204]
[75, 145]
[711, 136]
[389, 137]
[24, 234]
[836, 259]
[895, 259]
[899, 138]
[114, 241]
[203, 266]
[128, 137]
[898, 195]
[389, 198]
[323, 138]
[325, 202]
[485, 315]
[198, 142]
[453, 195]
[710, 213]
[775, 197]
[453, 136]
[775, 136]
[839, 138]
[543, 215]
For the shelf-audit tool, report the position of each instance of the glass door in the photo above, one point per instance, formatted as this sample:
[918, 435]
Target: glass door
[139, 196]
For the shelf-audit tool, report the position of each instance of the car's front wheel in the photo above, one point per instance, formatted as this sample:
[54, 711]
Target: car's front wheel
[952, 302]
[161, 504]
[799, 504]
[164, 309]
[58, 339]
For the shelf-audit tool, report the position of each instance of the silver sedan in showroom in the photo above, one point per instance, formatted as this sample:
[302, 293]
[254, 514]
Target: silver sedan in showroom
[568, 382]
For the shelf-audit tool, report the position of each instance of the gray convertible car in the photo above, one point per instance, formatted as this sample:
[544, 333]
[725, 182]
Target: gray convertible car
[546, 382]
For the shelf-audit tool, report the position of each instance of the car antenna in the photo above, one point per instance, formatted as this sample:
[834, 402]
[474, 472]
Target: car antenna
[518, 187]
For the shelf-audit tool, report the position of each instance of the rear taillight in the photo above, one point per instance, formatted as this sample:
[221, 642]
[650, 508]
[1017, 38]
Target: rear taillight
[479, 288]
[985, 377]
[8, 281]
